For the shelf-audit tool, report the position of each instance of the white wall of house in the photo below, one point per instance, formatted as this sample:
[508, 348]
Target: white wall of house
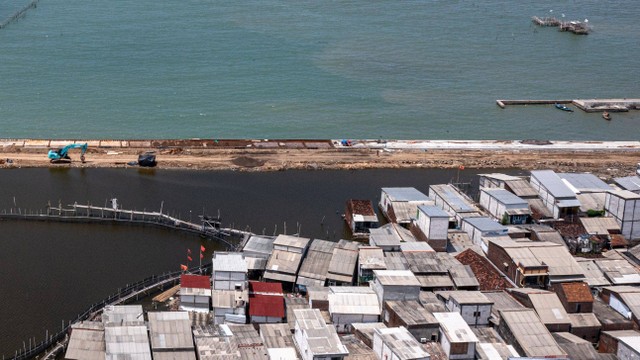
[626, 212]
[227, 280]
[446, 345]
[626, 352]
[619, 306]
[473, 315]
[342, 322]
[435, 228]
[395, 292]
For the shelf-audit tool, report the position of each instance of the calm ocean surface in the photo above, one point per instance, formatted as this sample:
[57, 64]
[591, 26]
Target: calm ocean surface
[309, 69]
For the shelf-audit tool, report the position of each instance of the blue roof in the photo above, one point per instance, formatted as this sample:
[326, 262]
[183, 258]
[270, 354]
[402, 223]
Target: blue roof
[433, 211]
[553, 183]
[631, 183]
[505, 197]
[485, 224]
[453, 198]
[405, 194]
[585, 182]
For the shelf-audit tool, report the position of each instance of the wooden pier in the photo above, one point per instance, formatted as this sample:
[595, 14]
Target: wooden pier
[576, 27]
[18, 14]
[209, 227]
[504, 103]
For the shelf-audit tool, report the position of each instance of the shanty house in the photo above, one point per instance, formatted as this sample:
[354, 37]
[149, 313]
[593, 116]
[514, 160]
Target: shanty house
[195, 293]
[555, 194]
[414, 317]
[284, 262]
[360, 216]
[370, 258]
[551, 312]
[395, 285]
[625, 344]
[170, 333]
[352, 304]
[534, 263]
[342, 267]
[314, 339]
[399, 204]
[432, 225]
[575, 296]
[624, 206]
[397, 343]
[314, 268]
[126, 342]
[504, 206]
[389, 237]
[482, 227]
[266, 302]
[450, 199]
[528, 335]
[474, 307]
[86, 341]
[456, 337]
[230, 287]
[630, 183]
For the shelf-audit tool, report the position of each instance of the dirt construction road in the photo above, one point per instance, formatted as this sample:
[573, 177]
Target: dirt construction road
[604, 163]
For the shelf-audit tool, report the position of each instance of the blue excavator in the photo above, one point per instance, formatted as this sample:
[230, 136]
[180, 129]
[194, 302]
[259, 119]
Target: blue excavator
[62, 155]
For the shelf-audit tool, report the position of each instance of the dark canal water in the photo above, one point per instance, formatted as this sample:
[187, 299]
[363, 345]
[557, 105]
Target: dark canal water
[53, 271]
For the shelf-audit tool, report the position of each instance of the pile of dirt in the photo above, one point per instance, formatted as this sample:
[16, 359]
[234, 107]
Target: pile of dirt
[246, 161]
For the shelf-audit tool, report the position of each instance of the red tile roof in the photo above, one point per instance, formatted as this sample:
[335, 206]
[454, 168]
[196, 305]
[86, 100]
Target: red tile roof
[195, 281]
[266, 305]
[488, 277]
[577, 292]
[257, 287]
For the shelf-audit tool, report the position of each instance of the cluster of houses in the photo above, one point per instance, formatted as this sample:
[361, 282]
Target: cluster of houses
[539, 267]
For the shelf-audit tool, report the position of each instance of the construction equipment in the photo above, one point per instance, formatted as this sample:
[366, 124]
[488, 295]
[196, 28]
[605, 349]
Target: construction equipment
[62, 155]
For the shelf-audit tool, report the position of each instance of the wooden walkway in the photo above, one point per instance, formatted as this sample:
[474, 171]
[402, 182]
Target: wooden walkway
[209, 227]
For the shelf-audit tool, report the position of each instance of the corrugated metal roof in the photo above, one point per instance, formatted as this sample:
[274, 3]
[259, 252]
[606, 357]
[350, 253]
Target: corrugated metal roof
[86, 341]
[276, 335]
[455, 327]
[322, 339]
[127, 342]
[453, 198]
[593, 275]
[631, 183]
[463, 276]
[485, 224]
[353, 303]
[502, 301]
[284, 262]
[522, 188]
[400, 341]
[195, 281]
[228, 261]
[342, 265]
[433, 211]
[435, 281]
[412, 313]
[211, 345]
[625, 194]
[266, 305]
[265, 288]
[499, 176]
[532, 335]
[395, 261]
[416, 246]
[315, 265]
[591, 201]
[170, 330]
[404, 194]
[293, 303]
[117, 314]
[553, 183]
[357, 349]
[291, 241]
[549, 308]
[505, 197]
[538, 206]
[260, 245]
[396, 277]
[619, 272]
[584, 320]
[469, 297]
[322, 246]
[384, 236]
[600, 225]
[371, 258]
[585, 182]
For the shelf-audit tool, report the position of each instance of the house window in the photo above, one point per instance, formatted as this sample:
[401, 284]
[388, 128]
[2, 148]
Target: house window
[476, 314]
[459, 348]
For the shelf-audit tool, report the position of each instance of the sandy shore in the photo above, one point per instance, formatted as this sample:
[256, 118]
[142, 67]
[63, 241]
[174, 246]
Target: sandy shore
[606, 160]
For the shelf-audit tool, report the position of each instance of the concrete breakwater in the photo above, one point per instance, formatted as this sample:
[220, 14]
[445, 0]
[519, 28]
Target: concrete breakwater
[37, 145]
[18, 14]
[586, 105]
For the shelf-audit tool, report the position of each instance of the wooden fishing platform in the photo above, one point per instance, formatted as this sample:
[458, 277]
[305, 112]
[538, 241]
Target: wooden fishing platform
[576, 27]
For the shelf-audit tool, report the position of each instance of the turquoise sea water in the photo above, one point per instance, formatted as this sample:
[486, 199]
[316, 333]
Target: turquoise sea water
[313, 69]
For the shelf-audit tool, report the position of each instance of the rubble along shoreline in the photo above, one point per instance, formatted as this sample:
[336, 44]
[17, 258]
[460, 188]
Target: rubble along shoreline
[606, 159]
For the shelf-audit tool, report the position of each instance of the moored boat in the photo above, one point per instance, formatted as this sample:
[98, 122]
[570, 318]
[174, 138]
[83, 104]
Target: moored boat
[606, 116]
[563, 107]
